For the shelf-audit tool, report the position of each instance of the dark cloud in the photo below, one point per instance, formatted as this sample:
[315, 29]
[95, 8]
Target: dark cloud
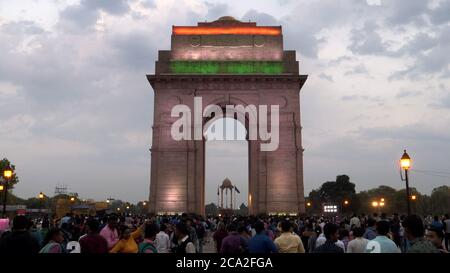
[415, 132]
[136, 50]
[367, 41]
[443, 102]
[405, 94]
[440, 14]
[116, 7]
[405, 11]
[216, 10]
[21, 27]
[350, 97]
[358, 69]
[86, 13]
[260, 17]
[325, 77]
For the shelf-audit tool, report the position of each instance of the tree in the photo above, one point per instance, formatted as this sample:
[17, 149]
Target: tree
[440, 200]
[211, 209]
[335, 192]
[4, 163]
[243, 210]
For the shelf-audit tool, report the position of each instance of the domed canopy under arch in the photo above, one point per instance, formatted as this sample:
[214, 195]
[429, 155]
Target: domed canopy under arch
[226, 184]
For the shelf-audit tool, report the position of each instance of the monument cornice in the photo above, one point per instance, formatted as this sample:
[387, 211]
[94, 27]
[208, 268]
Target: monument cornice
[185, 80]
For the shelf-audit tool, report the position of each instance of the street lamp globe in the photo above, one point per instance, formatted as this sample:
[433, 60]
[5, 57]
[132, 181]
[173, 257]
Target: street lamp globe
[1, 187]
[413, 197]
[346, 202]
[308, 204]
[41, 195]
[374, 204]
[405, 161]
[144, 203]
[72, 199]
[7, 172]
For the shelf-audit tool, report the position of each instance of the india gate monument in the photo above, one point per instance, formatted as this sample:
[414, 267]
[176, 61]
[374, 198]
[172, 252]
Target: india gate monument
[227, 63]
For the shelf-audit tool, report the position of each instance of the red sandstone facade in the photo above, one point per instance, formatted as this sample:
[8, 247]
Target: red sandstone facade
[178, 167]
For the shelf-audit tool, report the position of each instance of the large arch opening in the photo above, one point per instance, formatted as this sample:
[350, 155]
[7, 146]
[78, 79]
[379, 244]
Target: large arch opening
[226, 157]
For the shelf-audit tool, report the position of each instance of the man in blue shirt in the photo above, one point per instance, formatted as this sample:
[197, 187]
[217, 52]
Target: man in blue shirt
[370, 233]
[381, 243]
[261, 243]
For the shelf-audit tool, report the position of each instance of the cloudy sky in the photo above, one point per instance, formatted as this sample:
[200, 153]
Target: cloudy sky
[76, 108]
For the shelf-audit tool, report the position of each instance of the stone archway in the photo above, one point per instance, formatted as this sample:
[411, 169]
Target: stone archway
[178, 167]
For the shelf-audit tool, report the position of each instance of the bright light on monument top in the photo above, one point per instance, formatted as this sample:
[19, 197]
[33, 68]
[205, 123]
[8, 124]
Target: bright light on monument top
[226, 30]
[226, 25]
[227, 46]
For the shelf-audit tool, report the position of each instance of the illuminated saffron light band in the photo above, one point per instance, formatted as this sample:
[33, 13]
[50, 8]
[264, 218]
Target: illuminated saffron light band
[186, 30]
[230, 67]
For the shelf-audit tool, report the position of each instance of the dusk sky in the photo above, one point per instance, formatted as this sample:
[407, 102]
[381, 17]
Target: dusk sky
[77, 109]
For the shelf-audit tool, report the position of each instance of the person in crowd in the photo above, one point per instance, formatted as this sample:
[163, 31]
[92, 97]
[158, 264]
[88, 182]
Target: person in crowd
[67, 233]
[184, 243]
[200, 231]
[93, 242]
[415, 231]
[245, 236]
[233, 243]
[436, 236]
[312, 240]
[395, 230]
[110, 232]
[354, 221]
[219, 235]
[19, 240]
[322, 239]
[53, 242]
[436, 223]
[36, 233]
[261, 243]
[193, 233]
[162, 240]
[148, 245]
[381, 243]
[331, 234]
[370, 232]
[306, 234]
[446, 227]
[359, 243]
[344, 236]
[288, 242]
[66, 219]
[127, 242]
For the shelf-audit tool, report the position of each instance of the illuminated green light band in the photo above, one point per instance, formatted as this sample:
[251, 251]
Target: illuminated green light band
[226, 67]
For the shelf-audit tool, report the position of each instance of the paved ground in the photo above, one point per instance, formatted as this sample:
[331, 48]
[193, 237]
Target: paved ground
[209, 246]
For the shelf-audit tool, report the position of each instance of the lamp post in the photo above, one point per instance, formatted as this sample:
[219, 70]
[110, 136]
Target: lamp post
[72, 201]
[405, 164]
[7, 175]
[41, 198]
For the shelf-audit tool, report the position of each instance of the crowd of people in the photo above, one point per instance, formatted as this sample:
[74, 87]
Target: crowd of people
[230, 234]
[355, 234]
